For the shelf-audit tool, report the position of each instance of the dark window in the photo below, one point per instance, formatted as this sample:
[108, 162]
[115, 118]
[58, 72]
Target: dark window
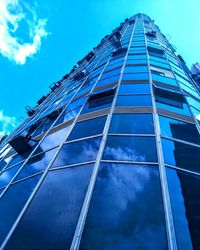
[76, 152]
[100, 100]
[118, 217]
[51, 219]
[184, 195]
[171, 101]
[12, 203]
[130, 148]
[132, 124]
[135, 100]
[181, 155]
[88, 128]
[179, 130]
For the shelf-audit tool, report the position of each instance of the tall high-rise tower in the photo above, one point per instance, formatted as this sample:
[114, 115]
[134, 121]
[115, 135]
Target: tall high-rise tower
[110, 158]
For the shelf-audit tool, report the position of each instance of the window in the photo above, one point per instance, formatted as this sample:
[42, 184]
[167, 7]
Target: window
[135, 69]
[132, 124]
[155, 52]
[179, 130]
[118, 217]
[135, 100]
[76, 152]
[88, 128]
[171, 101]
[36, 164]
[181, 155]
[130, 148]
[133, 77]
[7, 175]
[184, 195]
[12, 203]
[163, 79]
[137, 88]
[54, 211]
[100, 100]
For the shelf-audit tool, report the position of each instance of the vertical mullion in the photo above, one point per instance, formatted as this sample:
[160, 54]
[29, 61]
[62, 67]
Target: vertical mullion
[164, 186]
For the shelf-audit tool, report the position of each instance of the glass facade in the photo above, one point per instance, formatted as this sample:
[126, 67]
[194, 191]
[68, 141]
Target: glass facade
[110, 158]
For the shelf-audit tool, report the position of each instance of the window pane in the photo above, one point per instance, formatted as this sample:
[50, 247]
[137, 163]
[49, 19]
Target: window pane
[7, 175]
[181, 155]
[75, 152]
[130, 148]
[88, 128]
[141, 76]
[118, 216]
[184, 195]
[12, 203]
[97, 104]
[135, 100]
[132, 124]
[52, 216]
[36, 164]
[134, 89]
[179, 129]
[54, 139]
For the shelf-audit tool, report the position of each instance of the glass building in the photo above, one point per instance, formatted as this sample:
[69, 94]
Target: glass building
[110, 158]
[195, 69]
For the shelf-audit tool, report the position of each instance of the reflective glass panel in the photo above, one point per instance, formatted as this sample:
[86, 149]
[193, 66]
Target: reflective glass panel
[119, 216]
[98, 104]
[134, 88]
[179, 129]
[36, 164]
[12, 203]
[7, 175]
[132, 124]
[135, 100]
[184, 195]
[130, 148]
[88, 128]
[52, 216]
[54, 139]
[181, 155]
[75, 152]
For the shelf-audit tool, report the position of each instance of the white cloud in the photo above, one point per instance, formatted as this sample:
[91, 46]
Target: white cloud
[14, 13]
[7, 123]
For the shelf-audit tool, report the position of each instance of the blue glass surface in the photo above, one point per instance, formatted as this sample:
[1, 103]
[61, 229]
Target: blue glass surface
[179, 130]
[7, 175]
[181, 155]
[164, 79]
[54, 139]
[51, 219]
[76, 152]
[126, 210]
[139, 76]
[136, 88]
[135, 100]
[184, 195]
[130, 148]
[12, 203]
[88, 128]
[132, 124]
[36, 164]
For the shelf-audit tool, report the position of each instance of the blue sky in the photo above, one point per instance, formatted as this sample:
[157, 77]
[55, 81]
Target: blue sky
[41, 40]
